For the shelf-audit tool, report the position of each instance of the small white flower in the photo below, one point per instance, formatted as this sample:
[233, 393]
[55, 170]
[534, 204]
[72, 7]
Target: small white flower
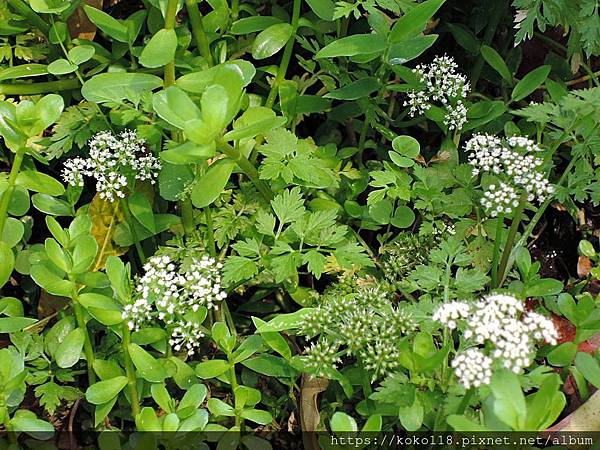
[473, 368]
[444, 85]
[112, 160]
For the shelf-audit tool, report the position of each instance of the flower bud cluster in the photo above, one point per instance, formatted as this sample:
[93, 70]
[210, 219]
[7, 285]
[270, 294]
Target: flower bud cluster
[505, 331]
[443, 85]
[114, 161]
[172, 291]
[517, 167]
[363, 324]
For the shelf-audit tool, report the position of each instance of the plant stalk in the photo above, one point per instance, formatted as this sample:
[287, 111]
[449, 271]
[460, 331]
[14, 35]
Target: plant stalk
[286, 58]
[130, 371]
[12, 179]
[187, 217]
[496, 254]
[210, 233]
[198, 31]
[88, 350]
[39, 88]
[512, 233]
[170, 18]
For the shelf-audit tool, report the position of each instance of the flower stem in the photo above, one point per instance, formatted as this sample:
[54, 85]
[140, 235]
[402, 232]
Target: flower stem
[465, 401]
[187, 217]
[134, 236]
[512, 233]
[130, 371]
[198, 31]
[496, 254]
[12, 179]
[88, 350]
[170, 17]
[210, 234]
[287, 56]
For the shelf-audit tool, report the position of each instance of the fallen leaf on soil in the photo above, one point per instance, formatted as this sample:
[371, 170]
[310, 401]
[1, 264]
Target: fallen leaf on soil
[79, 25]
[584, 266]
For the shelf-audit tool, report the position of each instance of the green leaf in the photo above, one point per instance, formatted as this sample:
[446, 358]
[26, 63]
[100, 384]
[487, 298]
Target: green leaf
[104, 309]
[23, 71]
[269, 365]
[49, 6]
[461, 423]
[247, 348]
[404, 51]
[148, 368]
[543, 287]
[69, 350]
[175, 107]
[509, 401]
[146, 420]
[407, 146]
[14, 324]
[324, 9]
[589, 368]
[53, 206]
[343, 423]
[115, 87]
[257, 416]
[357, 44]
[81, 54]
[530, 83]
[562, 355]
[61, 67]
[141, 208]
[219, 407]
[493, 58]
[414, 21]
[50, 281]
[411, 417]
[114, 28]
[8, 262]
[271, 40]
[253, 24]
[160, 49]
[40, 182]
[212, 368]
[355, 90]
[13, 231]
[404, 217]
[106, 390]
[211, 185]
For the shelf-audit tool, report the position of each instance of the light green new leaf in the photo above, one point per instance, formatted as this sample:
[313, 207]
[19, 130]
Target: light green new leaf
[414, 21]
[210, 186]
[69, 350]
[357, 44]
[106, 390]
[530, 83]
[160, 49]
[111, 26]
[270, 41]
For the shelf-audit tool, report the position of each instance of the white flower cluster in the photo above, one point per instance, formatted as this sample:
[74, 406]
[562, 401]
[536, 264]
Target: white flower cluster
[473, 368]
[168, 292]
[443, 84]
[113, 161]
[500, 323]
[515, 164]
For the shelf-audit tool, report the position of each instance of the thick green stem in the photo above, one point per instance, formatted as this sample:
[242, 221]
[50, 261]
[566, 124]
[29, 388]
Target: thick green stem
[39, 88]
[130, 224]
[286, 58]
[465, 401]
[512, 233]
[12, 178]
[130, 371]
[170, 16]
[248, 169]
[496, 254]
[198, 30]
[88, 350]
[187, 217]
[210, 234]
[32, 17]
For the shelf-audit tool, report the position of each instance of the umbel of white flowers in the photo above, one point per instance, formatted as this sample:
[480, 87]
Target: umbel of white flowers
[172, 292]
[503, 335]
[442, 85]
[516, 167]
[113, 162]
[361, 323]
